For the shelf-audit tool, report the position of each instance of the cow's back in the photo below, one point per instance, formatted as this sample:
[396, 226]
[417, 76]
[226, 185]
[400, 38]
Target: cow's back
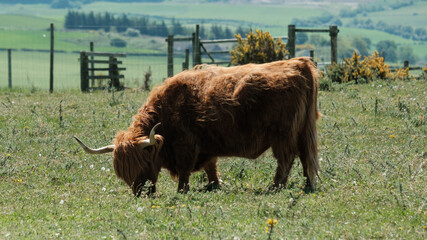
[238, 110]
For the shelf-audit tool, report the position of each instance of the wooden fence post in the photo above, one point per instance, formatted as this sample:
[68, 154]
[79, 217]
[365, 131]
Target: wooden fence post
[170, 55]
[84, 62]
[114, 73]
[312, 55]
[333, 32]
[405, 64]
[9, 65]
[51, 59]
[185, 64]
[193, 47]
[198, 55]
[92, 72]
[291, 41]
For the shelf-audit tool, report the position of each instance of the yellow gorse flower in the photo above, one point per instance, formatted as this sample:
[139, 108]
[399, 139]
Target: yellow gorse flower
[369, 68]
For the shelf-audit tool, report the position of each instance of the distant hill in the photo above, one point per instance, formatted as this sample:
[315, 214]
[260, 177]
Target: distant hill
[80, 1]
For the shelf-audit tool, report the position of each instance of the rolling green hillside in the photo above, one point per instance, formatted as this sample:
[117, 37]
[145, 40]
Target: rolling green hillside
[25, 26]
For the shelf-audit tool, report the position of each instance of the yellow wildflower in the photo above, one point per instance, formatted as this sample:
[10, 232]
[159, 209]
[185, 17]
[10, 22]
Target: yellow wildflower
[271, 221]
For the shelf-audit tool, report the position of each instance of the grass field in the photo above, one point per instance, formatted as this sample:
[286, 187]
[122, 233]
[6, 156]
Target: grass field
[372, 152]
[414, 14]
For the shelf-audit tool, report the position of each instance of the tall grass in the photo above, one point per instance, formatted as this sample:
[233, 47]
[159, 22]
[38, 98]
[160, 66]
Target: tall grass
[372, 154]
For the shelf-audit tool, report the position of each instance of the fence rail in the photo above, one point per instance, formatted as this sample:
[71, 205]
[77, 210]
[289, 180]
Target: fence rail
[113, 69]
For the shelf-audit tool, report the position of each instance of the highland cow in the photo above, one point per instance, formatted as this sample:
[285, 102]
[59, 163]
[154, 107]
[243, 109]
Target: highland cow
[208, 112]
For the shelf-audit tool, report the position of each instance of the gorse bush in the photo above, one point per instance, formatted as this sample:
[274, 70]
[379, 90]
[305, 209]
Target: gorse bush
[259, 47]
[366, 70]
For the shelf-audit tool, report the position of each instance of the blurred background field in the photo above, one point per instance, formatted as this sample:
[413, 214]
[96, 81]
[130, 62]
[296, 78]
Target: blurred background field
[24, 28]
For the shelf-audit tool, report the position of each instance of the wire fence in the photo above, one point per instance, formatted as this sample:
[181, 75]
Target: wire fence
[25, 59]
[30, 69]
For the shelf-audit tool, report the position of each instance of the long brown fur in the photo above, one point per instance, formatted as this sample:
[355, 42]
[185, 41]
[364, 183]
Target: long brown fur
[211, 111]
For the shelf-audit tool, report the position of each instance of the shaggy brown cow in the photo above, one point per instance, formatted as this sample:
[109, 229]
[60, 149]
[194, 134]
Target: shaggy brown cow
[211, 111]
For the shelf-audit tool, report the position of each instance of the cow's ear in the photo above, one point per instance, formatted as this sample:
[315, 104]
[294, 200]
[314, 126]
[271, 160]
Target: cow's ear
[159, 140]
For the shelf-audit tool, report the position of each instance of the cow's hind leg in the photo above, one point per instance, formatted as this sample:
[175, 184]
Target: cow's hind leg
[307, 145]
[285, 160]
[211, 170]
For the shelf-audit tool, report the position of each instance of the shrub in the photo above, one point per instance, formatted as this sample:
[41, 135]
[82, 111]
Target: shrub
[132, 32]
[368, 69]
[118, 42]
[259, 47]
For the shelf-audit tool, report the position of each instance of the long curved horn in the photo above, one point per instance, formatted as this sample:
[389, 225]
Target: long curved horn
[105, 149]
[151, 140]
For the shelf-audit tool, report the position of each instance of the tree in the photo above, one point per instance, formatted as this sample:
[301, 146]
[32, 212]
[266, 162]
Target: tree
[407, 32]
[361, 45]
[70, 20]
[107, 22]
[344, 48]
[406, 54]
[177, 28]
[420, 34]
[122, 23]
[91, 21]
[389, 49]
[163, 30]
[217, 31]
[228, 33]
[301, 38]
[318, 40]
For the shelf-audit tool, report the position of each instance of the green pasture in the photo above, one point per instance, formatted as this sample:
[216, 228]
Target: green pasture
[414, 16]
[26, 22]
[77, 41]
[372, 152]
[41, 12]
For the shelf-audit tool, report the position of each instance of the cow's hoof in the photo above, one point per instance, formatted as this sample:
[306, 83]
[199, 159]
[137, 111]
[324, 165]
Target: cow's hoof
[211, 187]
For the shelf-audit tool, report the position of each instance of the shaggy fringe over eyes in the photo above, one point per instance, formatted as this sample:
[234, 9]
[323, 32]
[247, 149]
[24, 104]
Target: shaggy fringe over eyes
[130, 160]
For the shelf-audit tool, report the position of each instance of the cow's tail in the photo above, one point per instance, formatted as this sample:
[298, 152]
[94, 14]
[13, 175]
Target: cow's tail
[308, 145]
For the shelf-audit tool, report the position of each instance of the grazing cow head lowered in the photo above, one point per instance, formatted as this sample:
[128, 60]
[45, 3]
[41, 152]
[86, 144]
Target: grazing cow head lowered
[209, 112]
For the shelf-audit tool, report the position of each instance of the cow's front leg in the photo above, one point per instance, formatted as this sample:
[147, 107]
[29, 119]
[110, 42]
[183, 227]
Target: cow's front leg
[183, 184]
[185, 160]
